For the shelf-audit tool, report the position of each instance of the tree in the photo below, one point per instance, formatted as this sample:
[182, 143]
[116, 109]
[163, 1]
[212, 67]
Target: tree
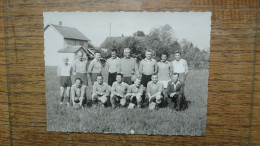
[139, 33]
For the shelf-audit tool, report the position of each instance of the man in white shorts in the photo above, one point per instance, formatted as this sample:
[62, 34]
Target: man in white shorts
[180, 66]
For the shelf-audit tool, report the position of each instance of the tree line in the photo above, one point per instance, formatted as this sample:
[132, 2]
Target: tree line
[160, 40]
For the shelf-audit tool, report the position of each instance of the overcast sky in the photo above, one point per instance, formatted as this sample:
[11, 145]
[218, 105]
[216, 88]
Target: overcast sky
[193, 26]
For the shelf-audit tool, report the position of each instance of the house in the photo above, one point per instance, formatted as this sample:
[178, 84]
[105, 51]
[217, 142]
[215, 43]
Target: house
[59, 37]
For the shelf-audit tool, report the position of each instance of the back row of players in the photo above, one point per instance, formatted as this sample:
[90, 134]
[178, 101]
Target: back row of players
[162, 83]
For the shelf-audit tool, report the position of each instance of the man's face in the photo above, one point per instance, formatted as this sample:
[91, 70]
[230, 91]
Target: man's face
[65, 61]
[137, 82]
[98, 56]
[80, 57]
[127, 53]
[78, 83]
[113, 55]
[148, 55]
[100, 80]
[154, 78]
[119, 78]
[164, 58]
[177, 56]
[174, 78]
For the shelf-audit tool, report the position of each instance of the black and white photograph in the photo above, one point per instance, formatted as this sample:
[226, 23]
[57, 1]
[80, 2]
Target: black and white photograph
[127, 72]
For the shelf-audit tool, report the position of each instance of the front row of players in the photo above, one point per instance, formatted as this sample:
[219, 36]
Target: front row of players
[121, 94]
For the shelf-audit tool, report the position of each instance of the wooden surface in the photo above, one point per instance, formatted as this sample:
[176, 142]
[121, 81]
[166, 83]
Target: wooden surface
[234, 97]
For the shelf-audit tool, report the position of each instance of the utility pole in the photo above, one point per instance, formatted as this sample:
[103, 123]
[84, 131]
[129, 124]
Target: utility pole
[110, 29]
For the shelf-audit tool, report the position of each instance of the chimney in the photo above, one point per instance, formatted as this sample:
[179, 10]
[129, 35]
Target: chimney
[60, 22]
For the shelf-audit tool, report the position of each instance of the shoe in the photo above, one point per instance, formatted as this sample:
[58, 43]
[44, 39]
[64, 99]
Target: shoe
[68, 104]
[61, 103]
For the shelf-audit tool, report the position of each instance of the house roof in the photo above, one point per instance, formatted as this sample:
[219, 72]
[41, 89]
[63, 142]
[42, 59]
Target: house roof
[70, 49]
[68, 32]
[73, 49]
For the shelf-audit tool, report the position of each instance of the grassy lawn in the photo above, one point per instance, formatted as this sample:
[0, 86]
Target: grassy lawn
[164, 121]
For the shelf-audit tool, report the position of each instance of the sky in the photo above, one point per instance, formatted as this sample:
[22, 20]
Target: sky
[193, 26]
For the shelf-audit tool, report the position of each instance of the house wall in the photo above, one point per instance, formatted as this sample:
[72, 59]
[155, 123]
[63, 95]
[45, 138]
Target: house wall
[76, 43]
[53, 41]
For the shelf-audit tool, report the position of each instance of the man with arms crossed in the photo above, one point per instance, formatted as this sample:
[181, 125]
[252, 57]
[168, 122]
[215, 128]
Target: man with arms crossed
[175, 92]
[154, 90]
[148, 66]
[135, 92]
[95, 67]
[80, 69]
[118, 92]
[128, 67]
[100, 91]
[64, 72]
[180, 66]
[112, 67]
[78, 93]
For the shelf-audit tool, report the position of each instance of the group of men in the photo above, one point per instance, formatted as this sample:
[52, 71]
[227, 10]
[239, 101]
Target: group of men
[129, 84]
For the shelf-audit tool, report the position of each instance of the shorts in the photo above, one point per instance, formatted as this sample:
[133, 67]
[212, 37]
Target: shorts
[145, 79]
[65, 81]
[111, 78]
[128, 80]
[83, 77]
[93, 77]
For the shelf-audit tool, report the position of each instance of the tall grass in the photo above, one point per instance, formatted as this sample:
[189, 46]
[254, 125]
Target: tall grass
[164, 121]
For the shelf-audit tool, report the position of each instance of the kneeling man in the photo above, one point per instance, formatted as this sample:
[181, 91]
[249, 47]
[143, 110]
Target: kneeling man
[78, 93]
[135, 92]
[100, 91]
[175, 92]
[154, 91]
[118, 92]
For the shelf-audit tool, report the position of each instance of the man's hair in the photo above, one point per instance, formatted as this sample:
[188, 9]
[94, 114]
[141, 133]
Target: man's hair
[149, 50]
[114, 50]
[155, 74]
[78, 79]
[127, 49]
[165, 53]
[119, 74]
[176, 52]
[99, 75]
[137, 78]
[175, 73]
[79, 53]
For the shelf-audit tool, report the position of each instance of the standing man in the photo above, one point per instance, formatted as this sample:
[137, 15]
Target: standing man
[135, 92]
[112, 66]
[148, 66]
[100, 91]
[154, 90]
[175, 92]
[128, 67]
[64, 72]
[118, 92]
[95, 67]
[78, 93]
[164, 70]
[180, 66]
[80, 68]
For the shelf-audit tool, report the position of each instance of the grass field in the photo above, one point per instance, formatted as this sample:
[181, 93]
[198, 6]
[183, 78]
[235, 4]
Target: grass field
[164, 121]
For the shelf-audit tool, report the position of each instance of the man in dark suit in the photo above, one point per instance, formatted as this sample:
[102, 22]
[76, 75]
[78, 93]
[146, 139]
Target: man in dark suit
[175, 92]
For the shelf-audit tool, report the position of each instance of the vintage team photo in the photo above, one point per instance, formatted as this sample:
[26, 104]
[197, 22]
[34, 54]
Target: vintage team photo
[127, 72]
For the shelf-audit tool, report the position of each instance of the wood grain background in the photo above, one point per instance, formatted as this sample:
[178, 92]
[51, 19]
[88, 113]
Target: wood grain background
[234, 95]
